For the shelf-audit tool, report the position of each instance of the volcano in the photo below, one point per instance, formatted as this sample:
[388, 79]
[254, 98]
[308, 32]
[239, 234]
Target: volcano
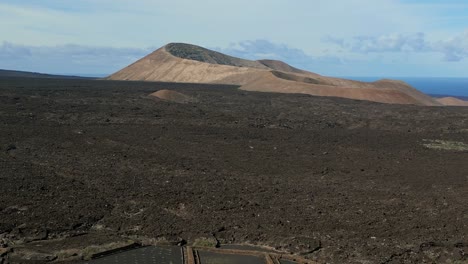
[186, 63]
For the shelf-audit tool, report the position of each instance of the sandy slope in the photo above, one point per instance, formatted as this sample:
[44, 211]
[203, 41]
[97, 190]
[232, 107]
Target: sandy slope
[452, 101]
[172, 96]
[192, 64]
[268, 83]
[163, 66]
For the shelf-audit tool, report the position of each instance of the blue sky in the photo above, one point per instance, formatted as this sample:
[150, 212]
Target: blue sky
[330, 37]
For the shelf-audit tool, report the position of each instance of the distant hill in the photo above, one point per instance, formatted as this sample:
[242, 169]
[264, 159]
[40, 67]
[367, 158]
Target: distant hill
[186, 63]
[465, 98]
[24, 74]
[452, 101]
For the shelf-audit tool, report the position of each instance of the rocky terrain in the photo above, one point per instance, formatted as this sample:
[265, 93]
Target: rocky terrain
[90, 165]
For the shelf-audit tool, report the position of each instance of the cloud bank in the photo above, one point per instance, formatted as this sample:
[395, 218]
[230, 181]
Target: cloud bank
[264, 49]
[453, 49]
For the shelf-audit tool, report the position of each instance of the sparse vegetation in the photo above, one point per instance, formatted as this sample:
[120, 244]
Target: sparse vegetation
[445, 145]
[205, 242]
[88, 252]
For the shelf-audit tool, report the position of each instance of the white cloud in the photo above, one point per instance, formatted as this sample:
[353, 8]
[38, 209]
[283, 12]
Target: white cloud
[452, 49]
[455, 48]
[264, 49]
[398, 42]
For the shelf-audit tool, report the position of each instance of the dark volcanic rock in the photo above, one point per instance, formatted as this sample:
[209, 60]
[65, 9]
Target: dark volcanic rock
[337, 180]
[20, 255]
[301, 245]
[10, 147]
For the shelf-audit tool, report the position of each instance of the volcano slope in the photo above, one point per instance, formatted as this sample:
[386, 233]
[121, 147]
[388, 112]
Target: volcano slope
[91, 163]
[178, 62]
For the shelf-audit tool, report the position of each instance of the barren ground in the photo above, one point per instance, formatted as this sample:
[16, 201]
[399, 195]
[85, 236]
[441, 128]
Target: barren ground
[340, 181]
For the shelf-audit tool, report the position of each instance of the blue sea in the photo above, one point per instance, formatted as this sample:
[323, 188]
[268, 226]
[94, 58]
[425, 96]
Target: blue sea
[436, 86]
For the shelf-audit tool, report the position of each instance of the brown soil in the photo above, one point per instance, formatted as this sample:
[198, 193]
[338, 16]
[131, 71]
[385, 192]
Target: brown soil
[99, 163]
[173, 96]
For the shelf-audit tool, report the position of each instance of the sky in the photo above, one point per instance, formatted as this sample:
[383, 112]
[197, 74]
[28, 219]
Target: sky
[387, 38]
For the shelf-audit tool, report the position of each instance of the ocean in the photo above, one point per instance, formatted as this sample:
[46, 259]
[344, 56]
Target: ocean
[436, 86]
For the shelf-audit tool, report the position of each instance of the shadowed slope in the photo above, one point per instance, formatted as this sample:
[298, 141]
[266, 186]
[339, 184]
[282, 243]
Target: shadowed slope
[177, 62]
[281, 66]
[296, 78]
